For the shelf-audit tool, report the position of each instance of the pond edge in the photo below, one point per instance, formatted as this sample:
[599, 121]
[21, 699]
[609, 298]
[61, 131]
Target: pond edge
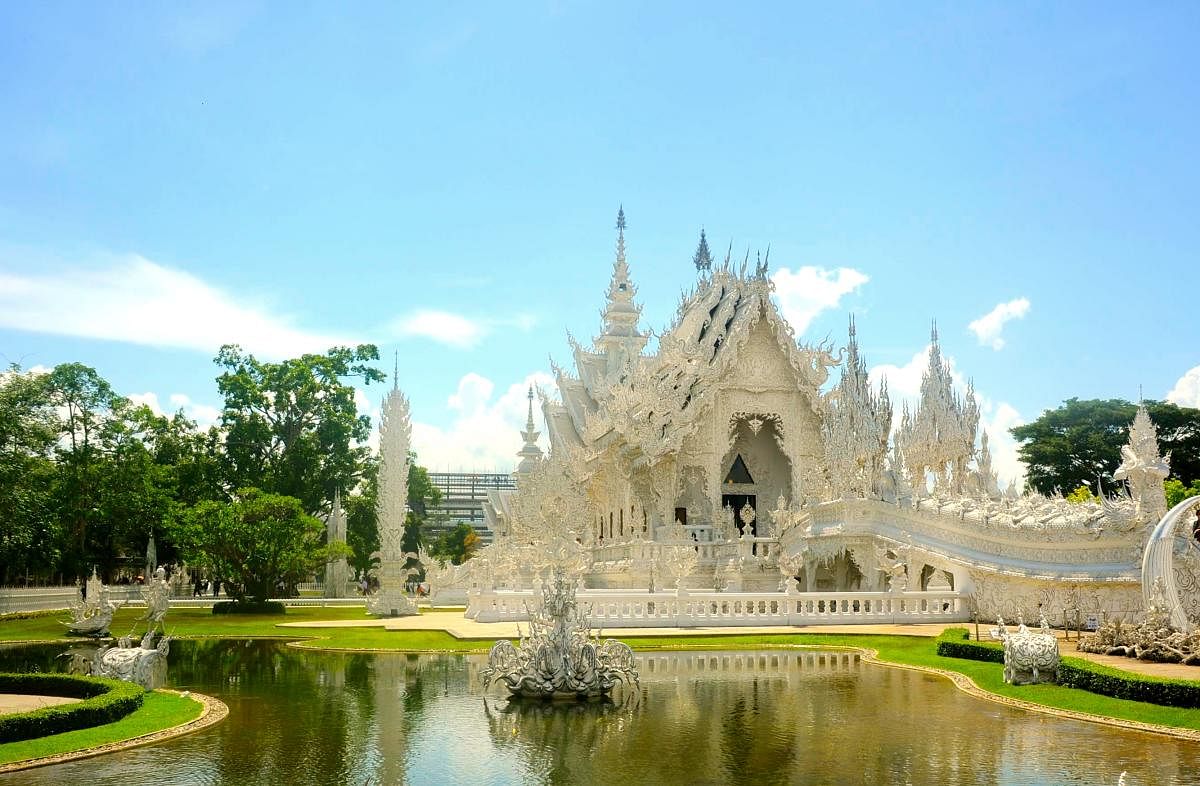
[213, 711]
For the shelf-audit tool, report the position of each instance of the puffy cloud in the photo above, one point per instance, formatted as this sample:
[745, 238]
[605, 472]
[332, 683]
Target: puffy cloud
[810, 290]
[996, 417]
[483, 433]
[203, 414]
[1186, 392]
[130, 298]
[453, 330]
[456, 330]
[989, 326]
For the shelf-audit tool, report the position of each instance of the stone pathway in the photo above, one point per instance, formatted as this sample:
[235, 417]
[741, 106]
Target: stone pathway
[22, 702]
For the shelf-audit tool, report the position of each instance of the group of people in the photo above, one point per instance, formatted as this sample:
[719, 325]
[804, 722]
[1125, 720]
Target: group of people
[201, 586]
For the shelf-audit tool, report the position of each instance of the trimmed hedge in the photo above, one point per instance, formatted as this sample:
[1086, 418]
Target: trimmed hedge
[956, 643]
[104, 701]
[248, 607]
[1107, 681]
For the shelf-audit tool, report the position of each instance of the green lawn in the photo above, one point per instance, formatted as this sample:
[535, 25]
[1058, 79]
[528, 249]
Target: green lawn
[159, 711]
[910, 650]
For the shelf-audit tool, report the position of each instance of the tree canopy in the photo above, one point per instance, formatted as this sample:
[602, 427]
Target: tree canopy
[293, 427]
[257, 544]
[1080, 441]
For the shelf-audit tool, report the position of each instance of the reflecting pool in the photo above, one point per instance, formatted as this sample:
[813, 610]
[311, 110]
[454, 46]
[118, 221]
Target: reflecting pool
[794, 717]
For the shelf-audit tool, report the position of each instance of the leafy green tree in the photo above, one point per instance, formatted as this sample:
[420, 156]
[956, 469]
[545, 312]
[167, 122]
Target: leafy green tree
[1081, 495]
[457, 545]
[1177, 492]
[28, 432]
[292, 427]
[85, 401]
[255, 544]
[1080, 441]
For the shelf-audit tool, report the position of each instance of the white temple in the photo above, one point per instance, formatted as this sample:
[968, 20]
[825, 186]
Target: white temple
[726, 440]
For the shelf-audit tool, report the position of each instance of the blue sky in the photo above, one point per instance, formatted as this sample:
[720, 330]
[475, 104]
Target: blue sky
[442, 180]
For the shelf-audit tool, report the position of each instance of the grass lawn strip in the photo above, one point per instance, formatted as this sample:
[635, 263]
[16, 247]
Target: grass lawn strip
[164, 714]
[891, 650]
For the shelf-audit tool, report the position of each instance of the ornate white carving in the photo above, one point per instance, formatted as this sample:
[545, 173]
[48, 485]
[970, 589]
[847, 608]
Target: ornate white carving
[560, 657]
[391, 509]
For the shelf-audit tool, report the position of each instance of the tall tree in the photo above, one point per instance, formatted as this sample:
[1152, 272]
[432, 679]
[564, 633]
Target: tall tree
[292, 427]
[85, 401]
[28, 431]
[1080, 441]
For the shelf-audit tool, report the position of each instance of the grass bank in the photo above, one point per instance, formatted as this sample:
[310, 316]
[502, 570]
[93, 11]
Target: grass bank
[159, 711]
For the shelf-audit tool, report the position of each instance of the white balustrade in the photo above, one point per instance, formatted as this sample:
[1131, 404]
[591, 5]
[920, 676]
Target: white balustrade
[690, 608]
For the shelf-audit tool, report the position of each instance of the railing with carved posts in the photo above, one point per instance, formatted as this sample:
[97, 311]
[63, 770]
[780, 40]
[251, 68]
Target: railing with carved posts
[691, 608]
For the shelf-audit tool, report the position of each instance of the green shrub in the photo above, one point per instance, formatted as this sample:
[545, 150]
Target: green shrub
[956, 643]
[1107, 681]
[248, 607]
[104, 701]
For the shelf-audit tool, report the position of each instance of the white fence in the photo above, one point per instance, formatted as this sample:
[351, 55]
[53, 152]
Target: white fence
[689, 608]
[50, 598]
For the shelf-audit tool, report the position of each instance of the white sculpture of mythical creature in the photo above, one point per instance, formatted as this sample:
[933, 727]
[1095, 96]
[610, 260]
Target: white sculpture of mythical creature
[560, 658]
[145, 663]
[1029, 657]
[92, 612]
[157, 595]
[895, 567]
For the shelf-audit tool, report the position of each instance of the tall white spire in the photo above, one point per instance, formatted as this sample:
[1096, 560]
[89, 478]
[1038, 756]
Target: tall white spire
[620, 313]
[391, 505]
[530, 453]
[620, 341]
[857, 427]
[940, 436]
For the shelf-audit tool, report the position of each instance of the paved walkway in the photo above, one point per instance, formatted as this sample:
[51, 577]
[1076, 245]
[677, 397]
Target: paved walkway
[22, 702]
[462, 628]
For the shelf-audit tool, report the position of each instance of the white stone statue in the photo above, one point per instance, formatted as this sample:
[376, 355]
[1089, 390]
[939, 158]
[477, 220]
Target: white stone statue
[144, 663]
[92, 612]
[157, 595]
[1029, 657]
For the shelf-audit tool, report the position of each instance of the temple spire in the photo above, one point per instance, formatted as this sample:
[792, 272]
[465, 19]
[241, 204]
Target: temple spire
[396, 371]
[530, 453]
[620, 313]
[703, 257]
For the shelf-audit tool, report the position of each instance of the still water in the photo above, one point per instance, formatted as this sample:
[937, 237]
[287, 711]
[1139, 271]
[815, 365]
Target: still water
[700, 718]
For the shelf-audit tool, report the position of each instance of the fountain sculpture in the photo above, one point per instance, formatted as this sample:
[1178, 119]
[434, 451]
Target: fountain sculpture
[145, 662]
[92, 612]
[560, 658]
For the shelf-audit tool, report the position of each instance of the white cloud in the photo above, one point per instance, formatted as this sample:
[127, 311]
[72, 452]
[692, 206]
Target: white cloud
[810, 290]
[130, 298]
[456, 330]
[989, 326]
[452, 329]
[203, 414]
[996, 417]
[484, 434]
[1186, 392]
